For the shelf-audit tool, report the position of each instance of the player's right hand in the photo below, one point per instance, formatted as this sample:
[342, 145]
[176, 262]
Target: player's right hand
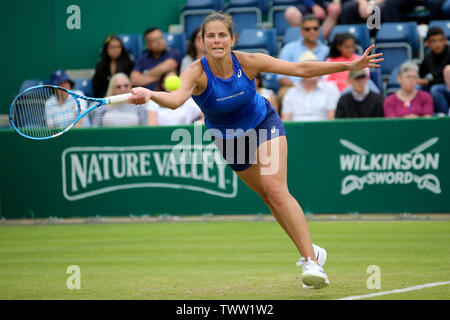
[139, 96]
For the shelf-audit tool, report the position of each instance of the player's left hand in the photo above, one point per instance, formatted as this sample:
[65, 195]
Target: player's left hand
[366, 60]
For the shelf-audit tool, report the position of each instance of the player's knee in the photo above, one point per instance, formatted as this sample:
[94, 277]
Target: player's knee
[275, 194]
[334, 10]
[293, 16]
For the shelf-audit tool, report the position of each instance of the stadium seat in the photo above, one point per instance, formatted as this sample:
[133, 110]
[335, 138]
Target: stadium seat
[246, 13]
[443, 24]
[286, 2]
[258, 40]
[291, 34]
[399, 41]
[204, 4]
[133, 43]
[31, 83]
[191, 19]
[392, 85]
[84, 85]
[277, 19]
[359, 31]
[375, 76]
[270, 81]
[177, 41]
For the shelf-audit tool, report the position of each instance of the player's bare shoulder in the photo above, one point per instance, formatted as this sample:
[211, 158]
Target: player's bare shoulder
[197, 74]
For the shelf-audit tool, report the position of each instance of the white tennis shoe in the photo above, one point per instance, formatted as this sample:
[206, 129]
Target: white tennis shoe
[321, 256]
[314, 276]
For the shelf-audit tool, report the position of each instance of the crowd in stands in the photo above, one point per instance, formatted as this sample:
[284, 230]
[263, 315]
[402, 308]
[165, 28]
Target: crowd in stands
[423, 86]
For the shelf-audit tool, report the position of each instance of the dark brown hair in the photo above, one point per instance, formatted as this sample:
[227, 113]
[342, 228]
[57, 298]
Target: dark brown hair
[218, 16]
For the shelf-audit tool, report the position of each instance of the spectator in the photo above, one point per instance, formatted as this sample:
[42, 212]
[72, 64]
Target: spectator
[155, 61]
[308, 45]
[408, 102]
[441, 94]
[58, 105]
[342, 49]
[312, 99]
[360, 102]
[266, 93]
[120, 115]
[185, 114]
[114, 59]
[357, 11]
[432, 67]
[195, 49]
[325, 10]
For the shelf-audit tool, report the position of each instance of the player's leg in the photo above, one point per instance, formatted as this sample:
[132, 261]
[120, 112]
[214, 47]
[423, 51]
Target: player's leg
[268, 177]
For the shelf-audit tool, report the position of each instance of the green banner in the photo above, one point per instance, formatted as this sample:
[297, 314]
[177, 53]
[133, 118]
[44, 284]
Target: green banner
[345, 166]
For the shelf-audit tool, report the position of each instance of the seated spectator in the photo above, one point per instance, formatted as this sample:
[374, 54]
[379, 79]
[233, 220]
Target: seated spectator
[114, 59]
[195, 49]
[441, 94]
[408, 102]
[120, 115]
[358, 11]
[53, 112]
[155, 61]
[342, 49]
[307, 46]
[325, 10]
[312, 99]
[432, 67]
[266, 93]
[187, 113]
[360, 102]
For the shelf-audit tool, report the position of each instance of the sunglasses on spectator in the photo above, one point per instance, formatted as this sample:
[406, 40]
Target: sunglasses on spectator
[120, 86]
[311, 28]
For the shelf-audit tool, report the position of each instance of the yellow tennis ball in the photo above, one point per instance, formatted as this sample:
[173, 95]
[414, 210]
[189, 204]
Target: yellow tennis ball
[172, 83]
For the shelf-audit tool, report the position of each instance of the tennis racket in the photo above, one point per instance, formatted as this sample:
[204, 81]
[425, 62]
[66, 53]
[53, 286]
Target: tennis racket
[45, 112]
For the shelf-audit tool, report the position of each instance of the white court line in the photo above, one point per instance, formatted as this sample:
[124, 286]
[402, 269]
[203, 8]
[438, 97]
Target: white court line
[427, 285]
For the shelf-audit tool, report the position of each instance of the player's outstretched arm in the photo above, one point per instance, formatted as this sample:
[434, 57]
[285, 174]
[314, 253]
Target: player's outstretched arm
[264, 63]
[173, 99]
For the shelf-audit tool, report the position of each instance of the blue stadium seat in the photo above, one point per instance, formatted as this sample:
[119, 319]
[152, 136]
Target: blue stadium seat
[133, 43]
[286, 2]
[359, 31]
[443, 24]
[375, 76]
[31, 83]
[245, 18]
[84, 85]
[246, 13]
[204, 4]
[277, 19]
[191, 19]
[399, 41]
[176, 41]
[392, 85]
[270, 81]
[291, 34]
[258, 40]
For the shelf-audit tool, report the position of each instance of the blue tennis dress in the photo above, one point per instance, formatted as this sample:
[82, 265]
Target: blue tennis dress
[234, 110]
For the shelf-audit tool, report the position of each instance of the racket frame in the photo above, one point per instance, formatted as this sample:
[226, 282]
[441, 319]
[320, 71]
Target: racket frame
[100, 102]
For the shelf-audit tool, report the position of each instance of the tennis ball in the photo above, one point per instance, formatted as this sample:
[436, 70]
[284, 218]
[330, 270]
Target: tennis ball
[172, 83]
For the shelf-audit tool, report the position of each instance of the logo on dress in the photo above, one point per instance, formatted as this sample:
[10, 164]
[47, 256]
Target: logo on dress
[239, 73]
[273, 129]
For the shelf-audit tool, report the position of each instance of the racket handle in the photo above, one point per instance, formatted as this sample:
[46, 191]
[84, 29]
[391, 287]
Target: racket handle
[118, 99]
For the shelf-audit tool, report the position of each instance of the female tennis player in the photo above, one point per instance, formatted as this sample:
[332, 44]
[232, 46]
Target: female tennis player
[222, 84]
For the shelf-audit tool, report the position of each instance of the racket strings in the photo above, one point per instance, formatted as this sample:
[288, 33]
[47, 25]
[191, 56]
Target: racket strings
[44, 111]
